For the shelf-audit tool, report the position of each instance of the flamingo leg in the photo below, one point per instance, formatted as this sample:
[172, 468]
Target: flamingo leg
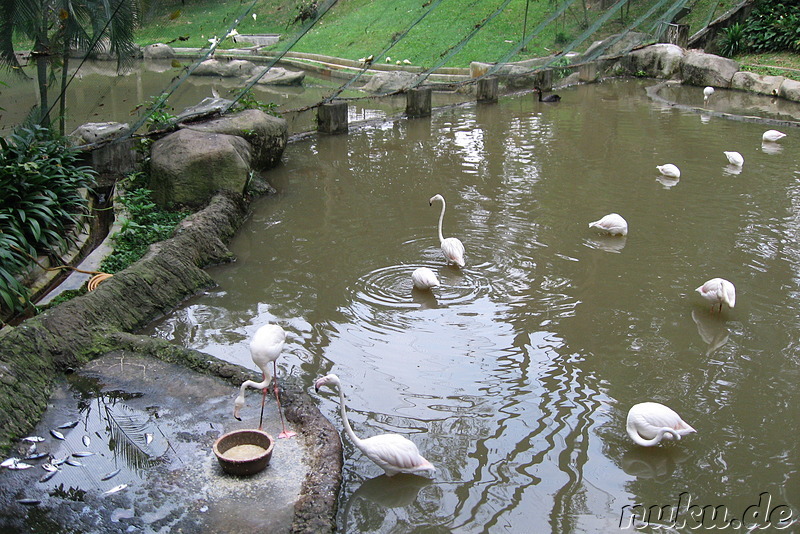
[263, 401]
[284, 433]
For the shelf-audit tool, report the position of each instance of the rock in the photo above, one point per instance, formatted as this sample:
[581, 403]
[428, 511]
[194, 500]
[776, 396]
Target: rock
[614, 45]
[188, 167]
[790, 90]
[656, 61]
[266, 134]
[94, 132]
[389, 82]
[277, 76]
[756, 83]
[208, 106]
[158, 51]
[704, 69]
[214, 67]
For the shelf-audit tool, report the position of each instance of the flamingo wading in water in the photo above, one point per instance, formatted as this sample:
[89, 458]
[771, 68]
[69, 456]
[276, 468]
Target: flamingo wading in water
[718, 291]
[391, 452]
[452, 247]
[423, 279]
[612, 224]
[650, 422]
[265, 347]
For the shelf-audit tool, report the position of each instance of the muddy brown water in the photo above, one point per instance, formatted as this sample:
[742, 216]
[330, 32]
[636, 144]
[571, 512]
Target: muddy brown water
[515, 376]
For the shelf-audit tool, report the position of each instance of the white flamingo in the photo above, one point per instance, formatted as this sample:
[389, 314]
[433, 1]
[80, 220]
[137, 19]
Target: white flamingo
[391, 452]
[423, 278]
[707, 92]
[613, 224]
[265, 347]
[734, 158]
[650, 422]
[668, 169]
[718, 291]
[452, 248]
[772, 136]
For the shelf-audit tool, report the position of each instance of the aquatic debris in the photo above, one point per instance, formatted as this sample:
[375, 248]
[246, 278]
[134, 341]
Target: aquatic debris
[81, 454]
[112, 474]
[29, 502]
[86, 441]
[115, 489]
[49, 467]
[9, 462]
[18, 466]
[59, 461]
[56, 434]
[71, 424]
[73, 463]
[148, 438]
[32, 449]
[33, 439]
[36, 456]
[47, 476]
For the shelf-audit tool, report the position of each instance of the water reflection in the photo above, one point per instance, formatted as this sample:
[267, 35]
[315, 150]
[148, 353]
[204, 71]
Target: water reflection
[374, 498]
[653, 463]
[712, 330]
[667, 181]
[771, 148]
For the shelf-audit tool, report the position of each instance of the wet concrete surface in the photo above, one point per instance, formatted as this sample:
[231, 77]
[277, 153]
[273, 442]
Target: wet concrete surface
[156, 423]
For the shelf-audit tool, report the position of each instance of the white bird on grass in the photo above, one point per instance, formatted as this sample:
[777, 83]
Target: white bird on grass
[613, 224]
[265, 347]
[452, 247]
[772, 136]
[423, 278]
[718, 291]
[668, 169]
[734, 158]
[391, 452]
[707, 92]
[650, 422]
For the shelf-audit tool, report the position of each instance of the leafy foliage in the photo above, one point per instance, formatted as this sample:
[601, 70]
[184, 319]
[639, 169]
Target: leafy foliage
[147, 225]
[774, 26]
[732, 41]
[42, 202]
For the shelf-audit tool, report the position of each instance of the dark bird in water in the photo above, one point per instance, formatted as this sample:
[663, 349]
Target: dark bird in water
[548, 98]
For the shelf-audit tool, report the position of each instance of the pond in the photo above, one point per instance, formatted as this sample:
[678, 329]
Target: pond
[514, 378]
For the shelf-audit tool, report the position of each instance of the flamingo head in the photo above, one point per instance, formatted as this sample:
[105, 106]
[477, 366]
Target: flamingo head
[436, 197]
[237, 406]
[327, 380]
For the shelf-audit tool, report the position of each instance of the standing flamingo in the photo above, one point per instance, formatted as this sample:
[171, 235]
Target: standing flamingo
[423, 279]
[650, 422]
[707, 92]
[613, 224]
[391, 452]
[772, 136]
[265, 347]
[452, 248]
[734, 158]
[670, 170]
[718, 291]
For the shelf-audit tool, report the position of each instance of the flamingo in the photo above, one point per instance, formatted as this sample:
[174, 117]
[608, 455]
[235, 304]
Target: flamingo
[734, 158]
[265, 347]
[452, 247]
[424, 278]
[650, 422]
[668, 169]
[718, 291]
[772, 136]
[612, 223]
[707, 92]
[391, 452]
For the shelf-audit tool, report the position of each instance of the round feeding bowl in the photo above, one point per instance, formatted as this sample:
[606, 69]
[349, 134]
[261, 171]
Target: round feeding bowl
[244, 452]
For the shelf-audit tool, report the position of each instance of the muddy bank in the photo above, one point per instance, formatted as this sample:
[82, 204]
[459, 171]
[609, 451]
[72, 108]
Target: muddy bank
[34, 355]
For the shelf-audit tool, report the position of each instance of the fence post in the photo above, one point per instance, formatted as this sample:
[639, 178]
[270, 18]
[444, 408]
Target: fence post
[332, 118]
[487, 90]
[418, 102]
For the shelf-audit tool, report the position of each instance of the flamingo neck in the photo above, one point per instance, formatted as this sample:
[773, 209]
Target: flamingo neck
[441, 218]
[635, 436]
[256, 385]
[345, 421]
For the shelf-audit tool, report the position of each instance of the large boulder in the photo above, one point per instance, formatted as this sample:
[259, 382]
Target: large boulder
[227, 69]
[699, 68]
[790, 90]
[277, 76]
[656, 61]
[390, 82]
[96, 132]
[158, 51]
[188, 167]
[267, 135]
[757, 83]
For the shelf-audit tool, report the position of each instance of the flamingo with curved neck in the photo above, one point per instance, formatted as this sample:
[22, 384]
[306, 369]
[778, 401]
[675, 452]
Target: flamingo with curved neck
[650, 422]
[391, 452]
[452, 248]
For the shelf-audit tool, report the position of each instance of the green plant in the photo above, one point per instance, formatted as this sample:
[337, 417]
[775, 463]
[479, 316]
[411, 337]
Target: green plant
[159, 116]
[42, 202]
[248, 101]
[147, 224]
[773, 26]
[732, 41]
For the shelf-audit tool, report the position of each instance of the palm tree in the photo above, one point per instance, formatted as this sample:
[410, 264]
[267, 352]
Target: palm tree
[57, 26]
